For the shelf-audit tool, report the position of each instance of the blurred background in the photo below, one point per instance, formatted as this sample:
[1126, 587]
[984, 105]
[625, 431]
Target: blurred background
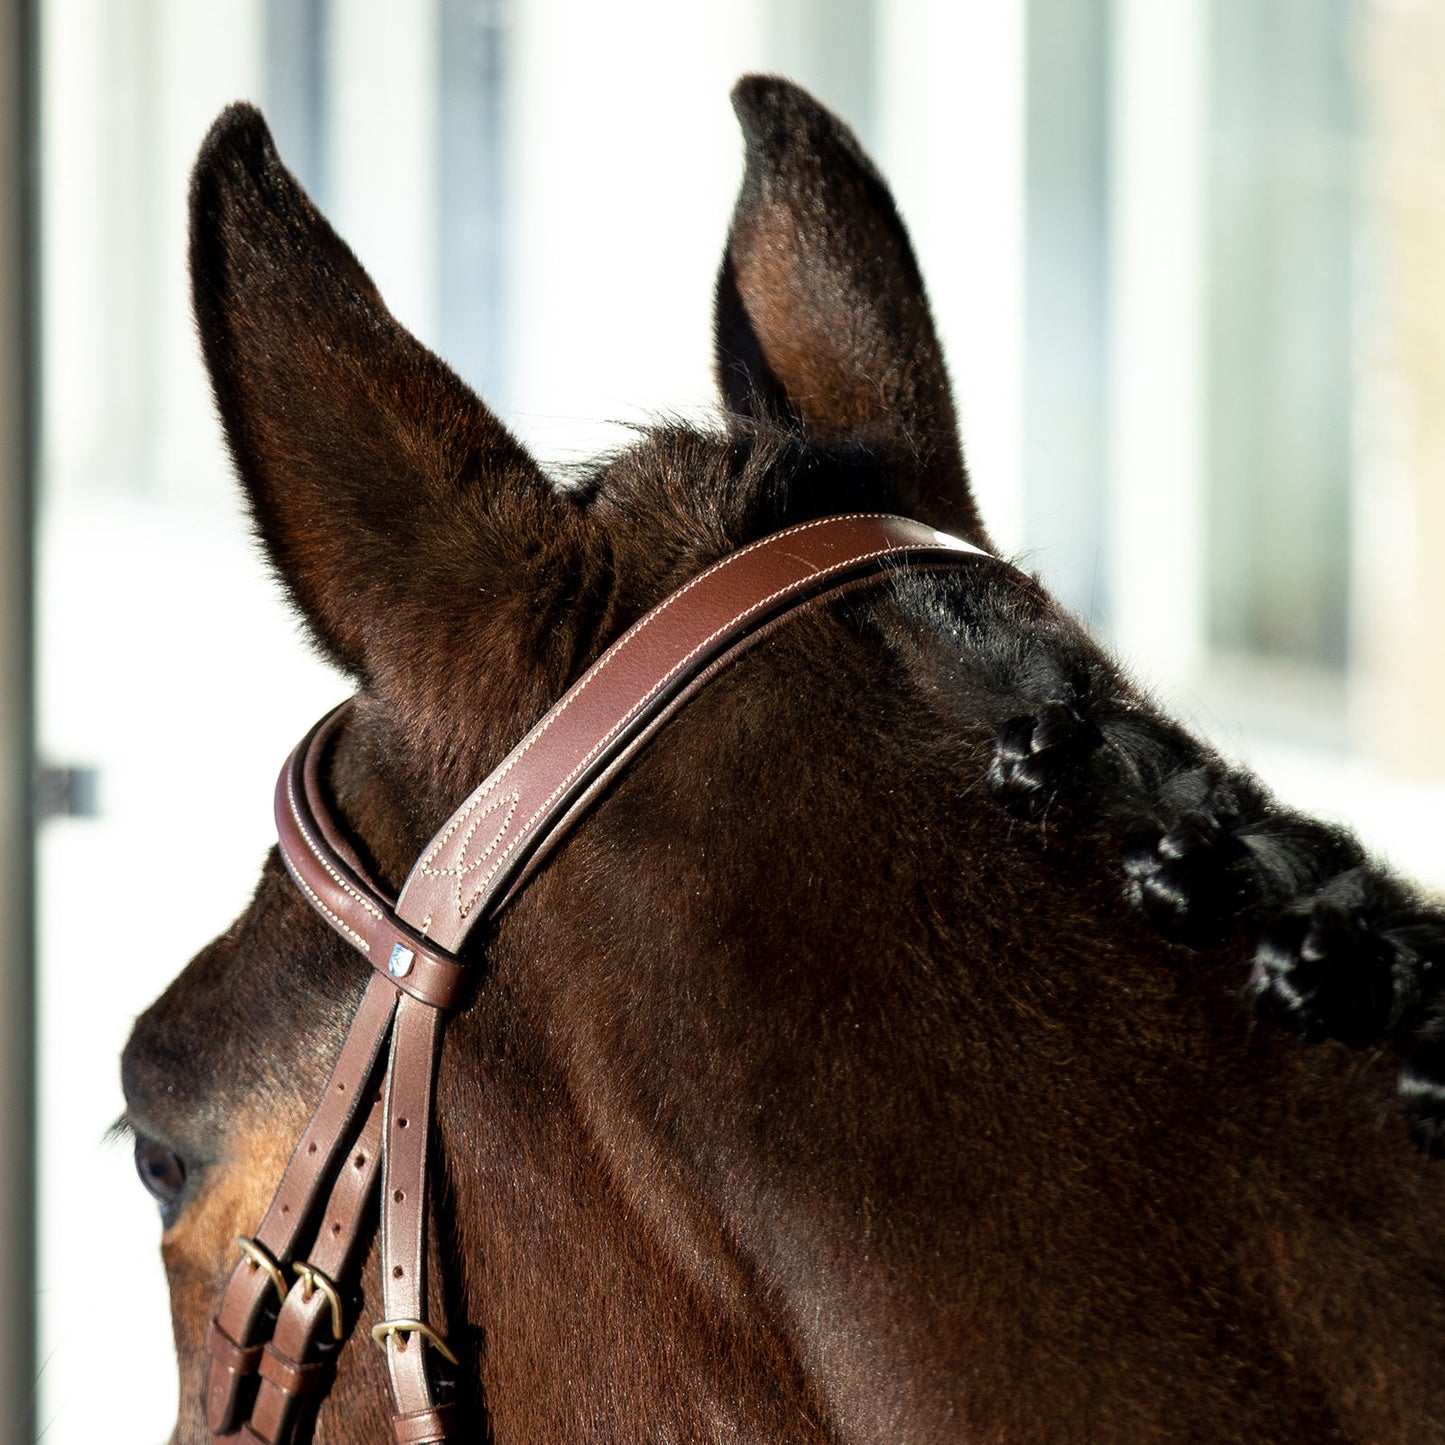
[1185, 256]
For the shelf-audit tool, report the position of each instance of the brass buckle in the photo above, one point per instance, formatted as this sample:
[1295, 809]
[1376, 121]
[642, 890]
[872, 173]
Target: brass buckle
[258, 1257]
[312, 1280]
[387, 1328]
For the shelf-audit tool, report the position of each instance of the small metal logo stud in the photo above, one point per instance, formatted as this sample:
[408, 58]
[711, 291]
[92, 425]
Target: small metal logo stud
[399, 964]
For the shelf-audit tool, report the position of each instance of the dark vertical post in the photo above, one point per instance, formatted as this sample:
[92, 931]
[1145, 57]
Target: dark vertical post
[17, 456]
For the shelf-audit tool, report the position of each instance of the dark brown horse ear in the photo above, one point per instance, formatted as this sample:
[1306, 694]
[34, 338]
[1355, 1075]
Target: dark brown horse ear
[822, 320]
[356, 446]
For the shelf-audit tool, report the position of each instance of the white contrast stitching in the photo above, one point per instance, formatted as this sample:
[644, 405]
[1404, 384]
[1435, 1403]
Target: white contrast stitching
[320, 857]
[336, 919]
[463, 866]
[461, 870]
[637, 707]
[607, 657]
[458, 818]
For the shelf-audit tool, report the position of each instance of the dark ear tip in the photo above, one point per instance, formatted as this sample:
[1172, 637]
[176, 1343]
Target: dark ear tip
[772, 110]
[238, 152]
[239, 133]
[758, 95]
[238, 118]
[787, 129]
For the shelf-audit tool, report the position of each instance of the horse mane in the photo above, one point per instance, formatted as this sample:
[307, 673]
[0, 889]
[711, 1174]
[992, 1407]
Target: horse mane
[1340, 947]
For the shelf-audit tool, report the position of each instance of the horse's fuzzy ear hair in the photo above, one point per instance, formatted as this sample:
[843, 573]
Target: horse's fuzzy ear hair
[823, 325]
[357, 447]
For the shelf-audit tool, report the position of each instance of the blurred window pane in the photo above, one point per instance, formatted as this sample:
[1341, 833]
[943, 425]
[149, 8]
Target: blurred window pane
[1066, 310]
[1281, 266]
[294, 60]
[472, 197]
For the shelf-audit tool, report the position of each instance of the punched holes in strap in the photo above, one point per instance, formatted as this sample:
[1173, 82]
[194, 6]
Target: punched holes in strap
[241, 1318]
[552, 772]
[410, 1081]
[313, 1308]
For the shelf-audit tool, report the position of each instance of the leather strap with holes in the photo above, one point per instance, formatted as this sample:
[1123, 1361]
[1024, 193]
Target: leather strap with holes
[311, 1324]
[240, 1327]
[264, 1366]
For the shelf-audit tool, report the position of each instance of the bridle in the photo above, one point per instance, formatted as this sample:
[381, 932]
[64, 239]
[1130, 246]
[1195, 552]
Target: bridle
[373, 1125]
[261, 1371]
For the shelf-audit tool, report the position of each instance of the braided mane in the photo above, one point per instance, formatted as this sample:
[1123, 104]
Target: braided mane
[1340, 948]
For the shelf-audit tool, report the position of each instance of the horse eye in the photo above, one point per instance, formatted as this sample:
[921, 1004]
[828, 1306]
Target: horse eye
[162, 1173]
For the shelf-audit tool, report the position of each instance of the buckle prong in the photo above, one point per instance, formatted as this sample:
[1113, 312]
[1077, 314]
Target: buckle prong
[311, 1280]
[259, 1257]
[387, 1328]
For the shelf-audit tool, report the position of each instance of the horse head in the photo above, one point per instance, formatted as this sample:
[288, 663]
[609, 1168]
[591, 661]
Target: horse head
[906, 1044]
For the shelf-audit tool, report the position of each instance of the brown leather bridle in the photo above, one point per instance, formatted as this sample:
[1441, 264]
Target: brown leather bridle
[372, 1123]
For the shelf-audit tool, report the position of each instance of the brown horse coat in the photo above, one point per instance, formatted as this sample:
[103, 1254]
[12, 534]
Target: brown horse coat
[875, 1062]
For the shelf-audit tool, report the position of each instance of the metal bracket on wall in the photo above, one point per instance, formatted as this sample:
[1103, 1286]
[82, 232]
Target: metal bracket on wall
[66, 792]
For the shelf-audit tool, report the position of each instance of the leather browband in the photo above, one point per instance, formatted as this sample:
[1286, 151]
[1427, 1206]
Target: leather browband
[374, 1120]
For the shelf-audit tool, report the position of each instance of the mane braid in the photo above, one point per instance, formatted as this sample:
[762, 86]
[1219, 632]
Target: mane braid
[1340, 948]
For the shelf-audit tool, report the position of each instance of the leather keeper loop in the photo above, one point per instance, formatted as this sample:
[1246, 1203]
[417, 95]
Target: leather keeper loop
[287, 1375]
[429, 975]
[424, 1426]
[239, 1359]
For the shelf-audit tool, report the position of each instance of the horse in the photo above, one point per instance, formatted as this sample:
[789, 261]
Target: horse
[922, 1038]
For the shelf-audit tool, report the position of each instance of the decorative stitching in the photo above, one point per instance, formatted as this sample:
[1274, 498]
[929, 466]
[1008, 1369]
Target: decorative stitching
[637, 707]
[616, 650]
[462, 868]
[643, 623]
[320, 857]
[336, 919]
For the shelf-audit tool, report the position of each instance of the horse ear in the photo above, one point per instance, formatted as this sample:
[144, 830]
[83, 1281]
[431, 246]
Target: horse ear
[354, 443]
[822, 321]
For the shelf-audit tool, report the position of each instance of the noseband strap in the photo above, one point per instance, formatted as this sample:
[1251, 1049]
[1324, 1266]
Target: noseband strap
[271, 1351]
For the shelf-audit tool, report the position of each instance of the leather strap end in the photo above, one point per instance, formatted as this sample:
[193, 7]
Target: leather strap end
[424, 1426]
[289, 1375]
[230, 1364]
[239, 1359]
